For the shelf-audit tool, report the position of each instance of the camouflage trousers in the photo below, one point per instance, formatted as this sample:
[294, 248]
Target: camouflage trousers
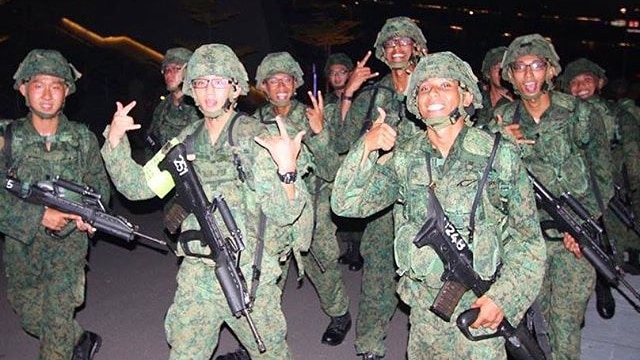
[329, 285]
[45, 285]
[431, 338]
[199, 309]
[378, 300]
[568, 284]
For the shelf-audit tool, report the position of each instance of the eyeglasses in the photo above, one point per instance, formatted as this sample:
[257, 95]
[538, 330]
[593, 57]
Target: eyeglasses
[171, 69]
[398, 41]
[338, 73]
[215, 83]
[287, 80]
[536, 65]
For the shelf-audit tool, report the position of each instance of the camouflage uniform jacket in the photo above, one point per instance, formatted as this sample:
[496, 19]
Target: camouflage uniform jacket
[506, 231]
[363, 112]
[625, 147]
[317, 156]
[262, 190]
[74, 155]
[169, 120]
[483, 116]
[331, 98]
[569, 140]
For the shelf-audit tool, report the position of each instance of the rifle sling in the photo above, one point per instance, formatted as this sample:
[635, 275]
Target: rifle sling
[483, 181]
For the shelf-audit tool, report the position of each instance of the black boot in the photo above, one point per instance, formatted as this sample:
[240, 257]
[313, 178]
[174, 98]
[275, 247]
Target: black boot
[356, 265]
[87, 346]
[605, 304]
[337, 330]
[346, 257]
[240, 354]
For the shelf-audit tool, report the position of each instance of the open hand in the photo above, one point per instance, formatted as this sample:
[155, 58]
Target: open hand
[121, 123]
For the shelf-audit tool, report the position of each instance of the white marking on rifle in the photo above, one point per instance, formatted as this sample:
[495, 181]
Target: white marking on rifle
[181, 165]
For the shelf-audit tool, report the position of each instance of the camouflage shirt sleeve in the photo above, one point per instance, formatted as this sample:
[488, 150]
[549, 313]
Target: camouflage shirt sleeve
[524, 254]
[361, 190]
[125, 173]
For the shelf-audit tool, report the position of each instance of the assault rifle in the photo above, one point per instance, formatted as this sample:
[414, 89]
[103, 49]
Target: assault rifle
[53, 193]
[620, 206]
[224, 251]
[459, 276]
[570, 216]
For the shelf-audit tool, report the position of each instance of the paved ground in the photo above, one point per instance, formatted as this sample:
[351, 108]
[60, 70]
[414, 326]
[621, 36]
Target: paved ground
[130, 288]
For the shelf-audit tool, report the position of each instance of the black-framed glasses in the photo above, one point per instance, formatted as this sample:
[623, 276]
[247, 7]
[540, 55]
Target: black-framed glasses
[215, 83]
[339, 73]
[398, 41]
[536, 65]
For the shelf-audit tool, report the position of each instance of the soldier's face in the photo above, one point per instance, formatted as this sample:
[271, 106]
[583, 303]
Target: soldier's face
[173, 76]
[398, 51]
[45, 95]
[211, 92]
[338, 76]
[584, 85]
[438, 97]
[279, 87]
[529, 73]
[494, 75]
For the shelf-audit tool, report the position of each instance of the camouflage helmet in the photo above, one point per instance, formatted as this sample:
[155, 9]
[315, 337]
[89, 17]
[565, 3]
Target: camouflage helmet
[46, 62]
[492, 57]
[532, 44]
[442, 65]
[215, 59]
[398, 26]
[580, 66]
[177, 55]
[279, 62]
[338, 59]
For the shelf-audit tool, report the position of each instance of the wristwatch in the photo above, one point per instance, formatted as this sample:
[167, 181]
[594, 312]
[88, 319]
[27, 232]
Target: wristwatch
[344, 97]
[288, 177]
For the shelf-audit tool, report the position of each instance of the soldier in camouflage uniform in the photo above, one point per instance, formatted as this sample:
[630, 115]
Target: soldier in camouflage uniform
[46, 275]
[278, 76]
[559, 138]
[585, 79]
[215, 79]
[495, 93]
[337, 69]
[399, 44]
[175, 111]
[442, 91]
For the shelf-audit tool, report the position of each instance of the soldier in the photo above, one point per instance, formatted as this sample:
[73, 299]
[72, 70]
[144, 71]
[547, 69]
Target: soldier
[279, 76]
[585, 79]
[228, 162]
[399, 45]
[495, 93]
[442, 92]
[174, 112]
[46, 275]
[559, 138]
[337, 69]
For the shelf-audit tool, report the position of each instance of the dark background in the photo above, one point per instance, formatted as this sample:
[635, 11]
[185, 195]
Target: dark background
[256, 27]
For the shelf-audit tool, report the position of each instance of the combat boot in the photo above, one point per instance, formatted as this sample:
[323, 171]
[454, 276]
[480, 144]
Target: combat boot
[605, 303]
[240, 354]
[352, 256]
[337, 330]
[87, 346]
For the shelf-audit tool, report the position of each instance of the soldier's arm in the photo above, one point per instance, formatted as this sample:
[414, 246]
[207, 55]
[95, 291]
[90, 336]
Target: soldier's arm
[524, 253]
[127, 176]
[363, 188]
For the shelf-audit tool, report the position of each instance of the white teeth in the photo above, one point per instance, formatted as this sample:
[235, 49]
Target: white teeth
[435, 107]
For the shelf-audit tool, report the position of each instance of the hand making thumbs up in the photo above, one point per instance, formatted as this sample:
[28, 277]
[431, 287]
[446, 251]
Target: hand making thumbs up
[380, 136]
